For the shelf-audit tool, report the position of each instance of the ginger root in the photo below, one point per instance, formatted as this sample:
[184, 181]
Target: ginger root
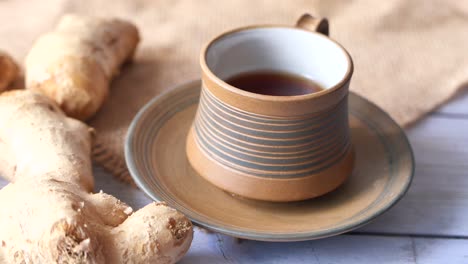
[8, 71]
[48, 213]
[75, 63]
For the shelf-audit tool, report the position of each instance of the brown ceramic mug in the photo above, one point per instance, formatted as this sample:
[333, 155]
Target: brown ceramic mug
[274, 148]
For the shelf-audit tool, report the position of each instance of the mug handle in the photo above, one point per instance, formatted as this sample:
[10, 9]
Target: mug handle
[308, 22]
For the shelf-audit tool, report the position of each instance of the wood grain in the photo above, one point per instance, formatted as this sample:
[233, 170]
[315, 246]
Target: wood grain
[437, 202]
[345, 249]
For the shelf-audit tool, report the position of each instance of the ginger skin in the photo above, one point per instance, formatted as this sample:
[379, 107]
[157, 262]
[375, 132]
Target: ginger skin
[8, 71]
[75, 63]
[48, 213]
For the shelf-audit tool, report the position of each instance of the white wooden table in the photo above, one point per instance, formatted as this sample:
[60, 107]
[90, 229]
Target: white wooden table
[429, 225]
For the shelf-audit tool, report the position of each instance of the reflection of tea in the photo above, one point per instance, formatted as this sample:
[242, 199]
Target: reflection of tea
[274, 83]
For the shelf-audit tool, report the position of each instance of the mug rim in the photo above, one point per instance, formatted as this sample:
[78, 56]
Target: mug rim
[274, 98]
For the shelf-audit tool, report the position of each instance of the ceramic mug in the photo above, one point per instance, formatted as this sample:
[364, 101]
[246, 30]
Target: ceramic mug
[274, 148]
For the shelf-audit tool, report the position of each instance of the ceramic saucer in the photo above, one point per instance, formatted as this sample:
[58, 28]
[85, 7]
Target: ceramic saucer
[155, 155]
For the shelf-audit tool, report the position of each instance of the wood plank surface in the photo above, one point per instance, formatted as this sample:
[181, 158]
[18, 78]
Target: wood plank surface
[437, 202]
[345, 249]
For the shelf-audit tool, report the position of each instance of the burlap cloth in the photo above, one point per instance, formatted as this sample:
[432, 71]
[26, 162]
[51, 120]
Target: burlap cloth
[410, 56]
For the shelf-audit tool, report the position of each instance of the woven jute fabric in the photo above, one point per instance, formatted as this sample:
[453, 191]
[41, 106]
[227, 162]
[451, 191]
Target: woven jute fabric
[409, 56]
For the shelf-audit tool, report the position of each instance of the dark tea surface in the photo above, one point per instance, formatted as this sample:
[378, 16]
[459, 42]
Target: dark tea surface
[274, 83]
